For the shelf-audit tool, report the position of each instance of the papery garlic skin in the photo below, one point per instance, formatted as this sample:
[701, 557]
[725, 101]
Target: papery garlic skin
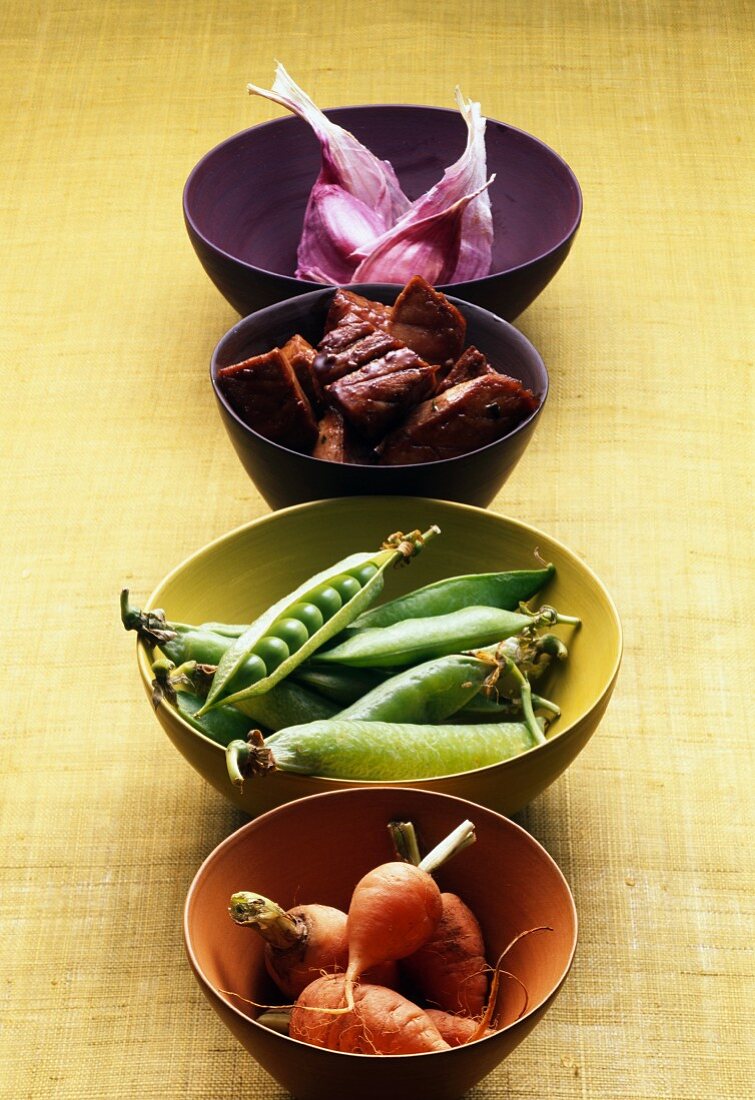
[355, 198]
[335, 224]
[430, 247]
[476, 250]
[359, 226]
[471, 250]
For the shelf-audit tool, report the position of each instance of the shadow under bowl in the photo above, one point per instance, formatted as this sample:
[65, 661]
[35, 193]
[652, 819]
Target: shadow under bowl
[244, 201]
[285, 477]
[316, 850]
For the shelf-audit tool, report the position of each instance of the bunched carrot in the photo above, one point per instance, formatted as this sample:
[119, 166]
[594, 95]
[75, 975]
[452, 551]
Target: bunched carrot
[379, 1021]
[449, 970]
[456, 1030]
[302, 943]
[393, 910]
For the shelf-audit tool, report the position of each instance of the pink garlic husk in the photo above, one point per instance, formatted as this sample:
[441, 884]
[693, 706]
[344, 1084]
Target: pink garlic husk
[355, 198]
[471, 257]
[430, 247]
[476, 251]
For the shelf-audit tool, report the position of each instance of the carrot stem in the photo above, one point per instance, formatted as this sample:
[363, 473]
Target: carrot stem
[274, 924]
[461, 837]
[404, 839]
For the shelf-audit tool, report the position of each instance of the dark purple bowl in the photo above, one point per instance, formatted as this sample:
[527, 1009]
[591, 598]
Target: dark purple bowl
[286, 477]
[244, 202]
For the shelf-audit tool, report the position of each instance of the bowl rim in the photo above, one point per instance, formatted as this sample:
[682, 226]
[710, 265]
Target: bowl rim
[515, 335]
[330, 111]
[468, 809]
[342, 784]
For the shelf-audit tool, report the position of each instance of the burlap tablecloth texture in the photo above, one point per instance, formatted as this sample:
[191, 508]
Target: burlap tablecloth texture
[115, 467]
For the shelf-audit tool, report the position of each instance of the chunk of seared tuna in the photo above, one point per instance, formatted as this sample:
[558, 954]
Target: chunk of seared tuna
[301, 356]
[336, 359]
[336, 443]
[424, 320]
[380, 394]
[462, 419]
[471, 364]
[347, 307]
[265, 393]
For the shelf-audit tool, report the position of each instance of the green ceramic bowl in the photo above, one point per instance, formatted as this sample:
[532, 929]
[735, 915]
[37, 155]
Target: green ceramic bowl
[237, 576]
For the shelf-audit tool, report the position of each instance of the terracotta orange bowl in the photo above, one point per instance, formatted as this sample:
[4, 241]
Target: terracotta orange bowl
[316, 849]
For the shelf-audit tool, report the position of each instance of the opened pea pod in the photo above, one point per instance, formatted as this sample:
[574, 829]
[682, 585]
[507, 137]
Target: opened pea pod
[300, 623]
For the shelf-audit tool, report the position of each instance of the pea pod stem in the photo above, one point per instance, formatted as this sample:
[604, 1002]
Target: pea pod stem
[151, 626]
[154, 629]
[525, 692]
[551, 617]
[250, 757]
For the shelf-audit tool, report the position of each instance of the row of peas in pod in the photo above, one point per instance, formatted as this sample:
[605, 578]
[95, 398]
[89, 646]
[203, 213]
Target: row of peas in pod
[431, 683]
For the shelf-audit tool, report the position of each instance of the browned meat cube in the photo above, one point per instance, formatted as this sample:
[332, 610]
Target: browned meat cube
[332, 363]
[342, 335]
[471, 364]
[425, 321]
[265, 393]
[348, 307]
[336, 442]
[331, 444]
[460, 420]
[379, 394]
[301, 356]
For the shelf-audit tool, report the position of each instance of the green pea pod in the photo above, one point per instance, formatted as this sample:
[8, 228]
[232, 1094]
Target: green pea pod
[285, 704]
[429, 692]
[413, 640]
[154, 629]
[504, 590]
[224, 724]
[203, 646]
[381, 751]
[297, 625]
[339, 683]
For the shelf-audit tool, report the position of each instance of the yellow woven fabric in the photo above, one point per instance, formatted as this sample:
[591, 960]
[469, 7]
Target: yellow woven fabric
[116, 467]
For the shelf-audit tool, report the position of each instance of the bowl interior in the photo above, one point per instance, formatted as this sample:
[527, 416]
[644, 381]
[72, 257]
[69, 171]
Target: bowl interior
[316, 849]
[247, 196]
[238, 576]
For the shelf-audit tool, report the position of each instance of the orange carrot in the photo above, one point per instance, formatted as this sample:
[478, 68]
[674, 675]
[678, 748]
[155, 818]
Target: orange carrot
[300, 944]
[394, 909]
[381, 1021]
[449, 971]
[456, 1030]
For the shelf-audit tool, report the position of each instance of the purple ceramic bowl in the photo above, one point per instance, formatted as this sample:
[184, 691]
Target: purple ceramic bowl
[244, 202]
[286, 477]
